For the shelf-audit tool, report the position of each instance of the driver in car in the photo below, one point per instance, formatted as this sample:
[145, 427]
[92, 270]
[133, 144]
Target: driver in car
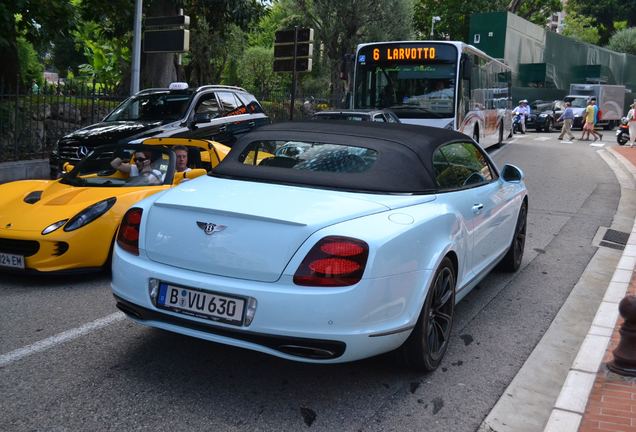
[142, 167]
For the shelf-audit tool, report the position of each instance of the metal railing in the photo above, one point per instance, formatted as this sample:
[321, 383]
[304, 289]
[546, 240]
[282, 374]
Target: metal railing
[33, 119]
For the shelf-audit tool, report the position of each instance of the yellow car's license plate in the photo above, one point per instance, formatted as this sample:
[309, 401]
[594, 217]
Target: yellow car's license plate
[11, 261]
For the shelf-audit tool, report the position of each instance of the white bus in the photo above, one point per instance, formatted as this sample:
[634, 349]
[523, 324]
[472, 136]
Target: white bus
[436, 83]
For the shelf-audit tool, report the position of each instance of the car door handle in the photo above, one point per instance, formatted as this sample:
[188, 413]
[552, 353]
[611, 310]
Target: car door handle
[252, 124]
[223, 129]
[477, 208]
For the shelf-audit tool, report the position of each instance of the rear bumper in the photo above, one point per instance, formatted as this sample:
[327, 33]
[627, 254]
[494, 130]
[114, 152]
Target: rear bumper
[317, 325]
[318, 349]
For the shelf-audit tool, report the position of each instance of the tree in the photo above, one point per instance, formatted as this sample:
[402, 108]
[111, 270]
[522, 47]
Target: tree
[340, 26]
[581, 28]
[107, 57]
[38, 21]
[624, 41]
[605, 14]
[214, 24]
[455, 14]
[256, 72]
[211, 26]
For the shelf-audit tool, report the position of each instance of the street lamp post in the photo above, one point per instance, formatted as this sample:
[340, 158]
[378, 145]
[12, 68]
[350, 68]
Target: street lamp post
[433, 21]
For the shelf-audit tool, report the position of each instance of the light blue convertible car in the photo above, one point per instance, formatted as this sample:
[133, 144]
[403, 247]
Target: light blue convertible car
[360, 244]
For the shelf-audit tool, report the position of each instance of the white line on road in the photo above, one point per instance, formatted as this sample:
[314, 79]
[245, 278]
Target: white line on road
[60, 338]
[543, 139]
[600, 144]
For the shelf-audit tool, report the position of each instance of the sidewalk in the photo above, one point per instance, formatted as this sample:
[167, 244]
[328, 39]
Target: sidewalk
[592, 397]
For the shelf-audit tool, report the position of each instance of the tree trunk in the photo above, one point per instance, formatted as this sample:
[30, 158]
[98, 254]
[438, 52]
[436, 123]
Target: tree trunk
[159, 69]
[10, 64]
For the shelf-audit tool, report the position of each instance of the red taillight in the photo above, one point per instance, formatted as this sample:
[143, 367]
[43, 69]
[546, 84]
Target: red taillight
[333, 261]
[128, 234]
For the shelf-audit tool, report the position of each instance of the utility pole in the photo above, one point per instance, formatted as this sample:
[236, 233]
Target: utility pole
[433, 21]
[136, 54]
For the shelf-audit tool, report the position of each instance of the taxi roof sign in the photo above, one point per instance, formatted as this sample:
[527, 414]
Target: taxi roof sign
[178, 86]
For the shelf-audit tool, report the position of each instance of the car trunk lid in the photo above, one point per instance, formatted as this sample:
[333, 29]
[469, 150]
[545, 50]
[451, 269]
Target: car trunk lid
[242, 229]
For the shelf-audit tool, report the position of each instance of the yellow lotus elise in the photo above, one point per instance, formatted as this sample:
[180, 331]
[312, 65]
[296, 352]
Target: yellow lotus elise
[69, 224]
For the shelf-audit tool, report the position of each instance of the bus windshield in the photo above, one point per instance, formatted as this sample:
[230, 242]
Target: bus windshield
[413, 80]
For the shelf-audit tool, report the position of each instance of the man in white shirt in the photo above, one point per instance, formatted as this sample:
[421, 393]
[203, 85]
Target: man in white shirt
[141, 167]
[524, 111]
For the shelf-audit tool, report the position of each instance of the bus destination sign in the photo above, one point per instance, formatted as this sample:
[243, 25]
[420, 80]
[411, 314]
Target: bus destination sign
[406, 53]
[389, 54]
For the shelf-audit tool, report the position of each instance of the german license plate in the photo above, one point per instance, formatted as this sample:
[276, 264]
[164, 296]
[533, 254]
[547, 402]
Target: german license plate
[202, 304]
[11, 261]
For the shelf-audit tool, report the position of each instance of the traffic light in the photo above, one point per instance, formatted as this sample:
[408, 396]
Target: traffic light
[293, 44]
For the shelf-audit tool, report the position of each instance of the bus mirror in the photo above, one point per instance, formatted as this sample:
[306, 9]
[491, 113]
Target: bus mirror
[466, 67]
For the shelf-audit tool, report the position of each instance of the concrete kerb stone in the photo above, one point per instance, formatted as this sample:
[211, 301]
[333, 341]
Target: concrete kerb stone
[570, 406]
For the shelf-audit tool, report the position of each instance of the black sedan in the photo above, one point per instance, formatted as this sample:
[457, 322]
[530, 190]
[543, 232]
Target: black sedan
[544, 115]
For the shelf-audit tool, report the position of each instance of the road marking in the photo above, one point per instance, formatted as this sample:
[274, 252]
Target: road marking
[543, 138]
[567, 142]
[597, 145]
[60, 338]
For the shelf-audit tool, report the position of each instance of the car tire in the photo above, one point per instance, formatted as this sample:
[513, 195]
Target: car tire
[512, 260]
[548, 125]
[427, 343]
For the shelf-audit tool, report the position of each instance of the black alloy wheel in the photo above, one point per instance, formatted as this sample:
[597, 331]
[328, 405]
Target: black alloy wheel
[512, 260]
[427, 344]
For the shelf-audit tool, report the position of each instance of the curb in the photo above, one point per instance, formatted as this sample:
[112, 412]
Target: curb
[568, 411]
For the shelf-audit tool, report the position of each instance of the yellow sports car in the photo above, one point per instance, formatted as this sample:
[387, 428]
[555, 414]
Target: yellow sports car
[69, 224]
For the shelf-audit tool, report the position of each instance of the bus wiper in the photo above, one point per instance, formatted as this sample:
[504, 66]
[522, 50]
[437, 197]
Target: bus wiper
[415, 108]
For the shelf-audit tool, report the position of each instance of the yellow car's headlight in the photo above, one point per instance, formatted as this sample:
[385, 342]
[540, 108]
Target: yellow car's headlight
[89, 214]
[49, 229]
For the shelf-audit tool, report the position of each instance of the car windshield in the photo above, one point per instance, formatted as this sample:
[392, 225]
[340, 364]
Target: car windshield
[140, 166]
[154, 107]
[577, 102]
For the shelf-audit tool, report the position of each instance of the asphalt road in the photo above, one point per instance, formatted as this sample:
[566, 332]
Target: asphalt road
[70, 361]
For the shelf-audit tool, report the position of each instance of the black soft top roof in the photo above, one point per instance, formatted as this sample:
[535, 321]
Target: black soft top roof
[403, 165]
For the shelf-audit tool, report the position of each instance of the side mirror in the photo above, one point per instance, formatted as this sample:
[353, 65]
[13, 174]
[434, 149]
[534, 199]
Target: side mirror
[466, 67]
[67, 167]
[511, 173]
[204, 117]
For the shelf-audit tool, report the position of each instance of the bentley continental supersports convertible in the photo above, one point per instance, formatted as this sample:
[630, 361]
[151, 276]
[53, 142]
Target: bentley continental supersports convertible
[69, 224]
[358, 242]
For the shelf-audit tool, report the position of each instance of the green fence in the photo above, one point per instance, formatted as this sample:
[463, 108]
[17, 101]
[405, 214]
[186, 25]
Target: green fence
[545, 63]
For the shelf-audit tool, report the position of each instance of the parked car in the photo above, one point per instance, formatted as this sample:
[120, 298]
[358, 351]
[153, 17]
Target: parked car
[544, 116]
[69, 224]
[359, 245]
[379, 115]
[216, 112]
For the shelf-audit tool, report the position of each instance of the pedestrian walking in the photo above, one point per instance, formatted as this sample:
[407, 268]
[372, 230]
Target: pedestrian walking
[567, 117]
[596, 116]
[631, 122]
[588, 126]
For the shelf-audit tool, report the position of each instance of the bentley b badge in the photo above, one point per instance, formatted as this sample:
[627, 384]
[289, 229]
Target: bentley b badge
[210, 228]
